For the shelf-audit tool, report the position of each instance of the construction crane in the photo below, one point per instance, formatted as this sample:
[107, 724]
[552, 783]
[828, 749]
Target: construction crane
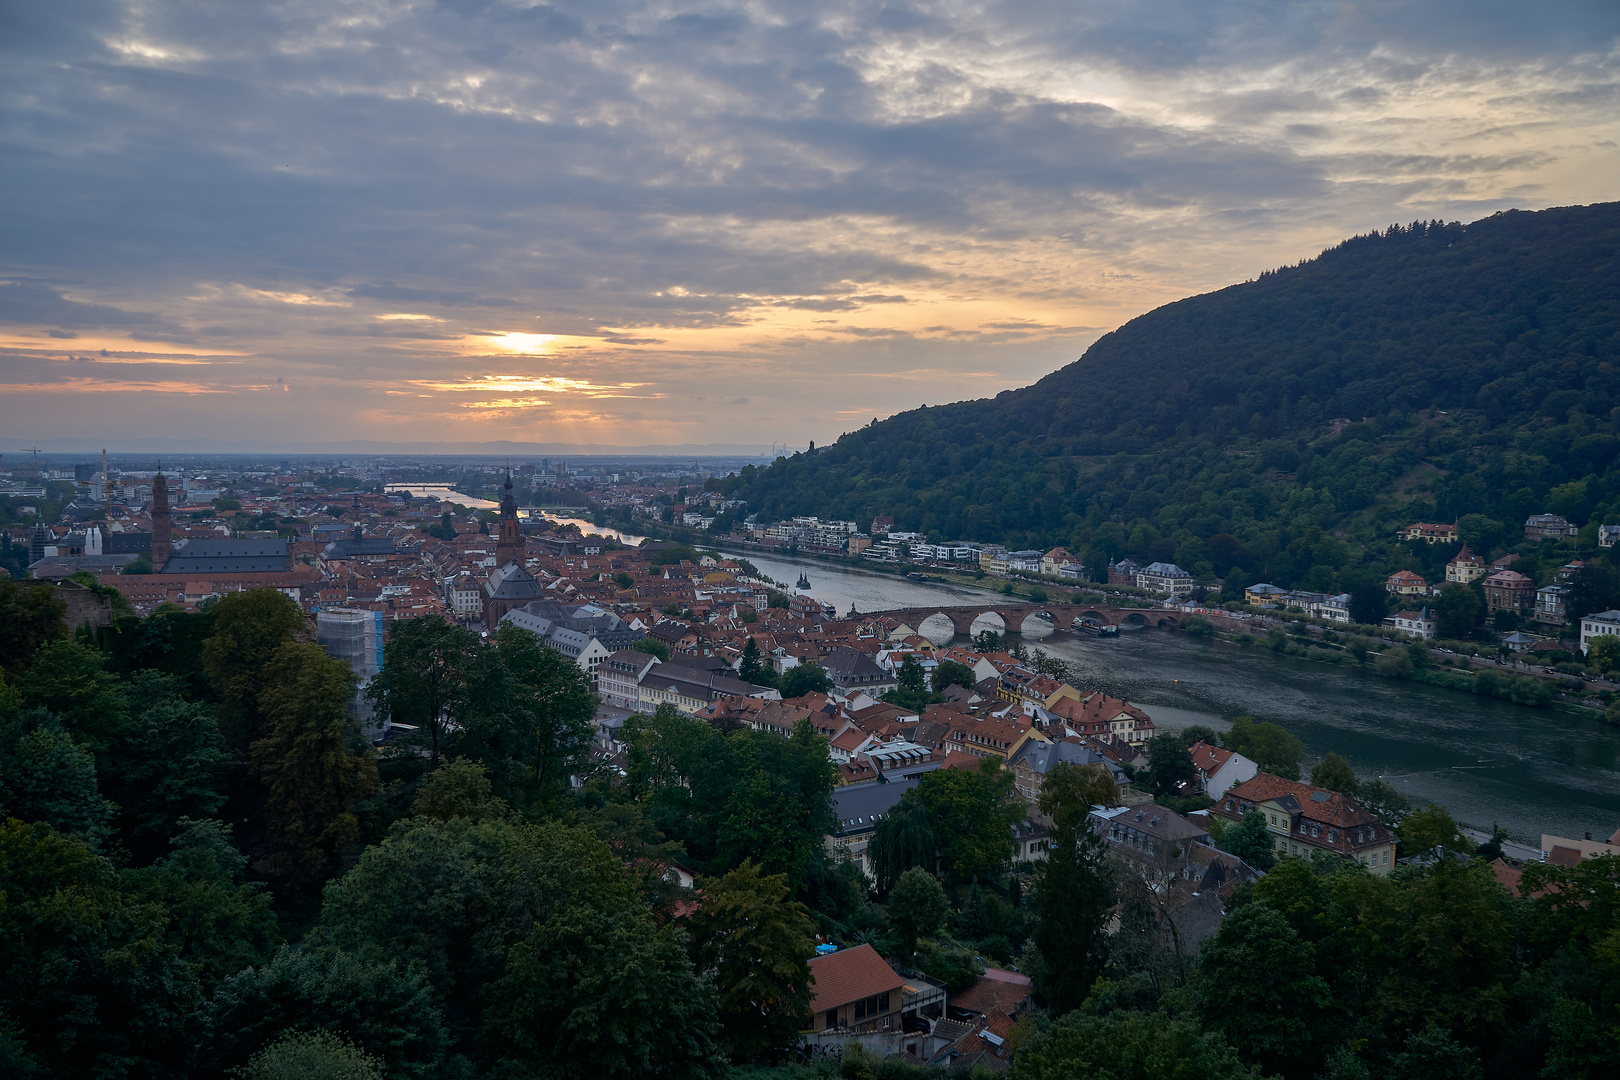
[35, 451]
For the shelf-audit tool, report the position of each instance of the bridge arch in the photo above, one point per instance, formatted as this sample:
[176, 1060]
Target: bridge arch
[1037, 624]
[939, 628]
[987, 620]
[1095, 616]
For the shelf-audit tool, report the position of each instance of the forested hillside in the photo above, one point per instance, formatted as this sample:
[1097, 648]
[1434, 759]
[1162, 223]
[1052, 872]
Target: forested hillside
[1477, 362]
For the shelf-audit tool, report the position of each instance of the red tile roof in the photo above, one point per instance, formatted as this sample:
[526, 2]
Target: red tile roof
[1209, 758]
[1329, 809]
[990, 995]
[850, 975]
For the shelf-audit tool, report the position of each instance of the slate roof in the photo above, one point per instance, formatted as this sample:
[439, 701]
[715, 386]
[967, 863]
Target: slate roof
[354, 547]
[1150, 819]
[859, 807]
[208, 556]
[512, 582]
[845, 664]
[1042, 757]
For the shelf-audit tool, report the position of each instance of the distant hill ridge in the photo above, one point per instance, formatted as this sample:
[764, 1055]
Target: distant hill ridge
[1214, 415]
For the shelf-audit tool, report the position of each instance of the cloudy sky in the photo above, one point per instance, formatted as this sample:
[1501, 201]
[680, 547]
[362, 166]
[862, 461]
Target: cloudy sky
[288, 221]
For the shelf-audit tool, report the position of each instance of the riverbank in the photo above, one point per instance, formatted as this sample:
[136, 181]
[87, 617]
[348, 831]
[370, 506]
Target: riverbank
[1394, 658]
[1488, 759]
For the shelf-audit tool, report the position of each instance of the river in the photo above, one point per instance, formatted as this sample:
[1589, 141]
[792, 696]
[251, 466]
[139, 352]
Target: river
[1531, 770]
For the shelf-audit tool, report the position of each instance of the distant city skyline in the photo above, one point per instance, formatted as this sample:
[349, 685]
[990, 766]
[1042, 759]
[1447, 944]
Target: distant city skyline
[706, 224]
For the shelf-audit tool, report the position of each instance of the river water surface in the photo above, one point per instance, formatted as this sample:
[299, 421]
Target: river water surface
[1532, 770]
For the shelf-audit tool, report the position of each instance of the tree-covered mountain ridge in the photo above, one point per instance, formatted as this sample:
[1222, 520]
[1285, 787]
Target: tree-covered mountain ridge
[1477, 364]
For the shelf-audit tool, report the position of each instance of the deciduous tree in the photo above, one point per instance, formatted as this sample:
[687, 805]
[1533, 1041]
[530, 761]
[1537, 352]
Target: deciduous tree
[249, 628]
[166, 765]
[1258, 985]
[1334, 773]
[755, 940]
[1268, 745]
[69, 678]
[1129, 1046]
[424, 679]
[904, 838]
[30, 616]
[1457, 611]
[1072, 894]
[972, 813]
[46, 776]
[310, 762]
[808, 677]
[1170, 765]
[952, 673]
[1251, 841]
[916, 909]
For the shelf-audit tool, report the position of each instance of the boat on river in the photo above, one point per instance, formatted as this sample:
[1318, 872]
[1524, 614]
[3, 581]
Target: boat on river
[1082, 625]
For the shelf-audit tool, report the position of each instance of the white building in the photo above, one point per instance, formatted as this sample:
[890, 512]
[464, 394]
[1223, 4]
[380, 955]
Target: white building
[1419, 624]
[1597, 625]
[1220, 769]
[1166, 578]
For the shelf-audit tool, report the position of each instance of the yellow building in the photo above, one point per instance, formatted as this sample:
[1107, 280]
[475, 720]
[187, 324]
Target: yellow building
[1304, 819]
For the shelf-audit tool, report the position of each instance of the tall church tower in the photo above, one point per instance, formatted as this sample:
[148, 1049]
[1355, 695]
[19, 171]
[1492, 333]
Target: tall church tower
[162, 534]
[509, 540]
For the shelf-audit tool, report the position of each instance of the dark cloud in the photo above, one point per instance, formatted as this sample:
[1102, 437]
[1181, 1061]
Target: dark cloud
[266, 175]
[26, 302]
[387, 290]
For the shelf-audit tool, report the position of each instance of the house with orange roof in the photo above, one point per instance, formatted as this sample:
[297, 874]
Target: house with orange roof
[1220, 769]
[982, 737]
[1430, 532]
[1054, 562]
[1465, 567]
[1099, 716]
[1567, 852]
[1406, 583]
[1304, 819]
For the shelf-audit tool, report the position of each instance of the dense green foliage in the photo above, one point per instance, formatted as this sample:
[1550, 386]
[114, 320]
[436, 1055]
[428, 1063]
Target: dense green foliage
[515, 911]
[1200, 431]
[1072, 894]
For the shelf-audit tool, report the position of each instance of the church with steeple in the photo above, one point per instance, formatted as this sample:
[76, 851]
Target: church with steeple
[509, 537]
[510, 585]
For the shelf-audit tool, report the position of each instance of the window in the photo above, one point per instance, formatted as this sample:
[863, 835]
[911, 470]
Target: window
[883, 1003]
[860, 1009]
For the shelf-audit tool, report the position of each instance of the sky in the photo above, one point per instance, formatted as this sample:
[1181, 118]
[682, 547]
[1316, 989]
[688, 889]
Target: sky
[296, 221]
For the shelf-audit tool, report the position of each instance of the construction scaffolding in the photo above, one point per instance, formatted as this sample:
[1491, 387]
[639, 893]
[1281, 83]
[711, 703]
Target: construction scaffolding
[356, 636]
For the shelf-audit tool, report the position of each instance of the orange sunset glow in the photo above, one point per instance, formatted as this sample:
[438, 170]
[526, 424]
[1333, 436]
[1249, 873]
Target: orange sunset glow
[417, 226]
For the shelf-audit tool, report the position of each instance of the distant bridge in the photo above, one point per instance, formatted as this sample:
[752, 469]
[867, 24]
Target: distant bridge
[940, 624]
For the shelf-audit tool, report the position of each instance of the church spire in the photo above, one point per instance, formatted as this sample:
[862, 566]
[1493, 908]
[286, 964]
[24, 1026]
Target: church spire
[162, 528]
[509, 539]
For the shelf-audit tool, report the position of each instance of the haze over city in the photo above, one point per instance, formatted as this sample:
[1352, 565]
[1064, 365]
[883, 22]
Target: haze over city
[266, 226]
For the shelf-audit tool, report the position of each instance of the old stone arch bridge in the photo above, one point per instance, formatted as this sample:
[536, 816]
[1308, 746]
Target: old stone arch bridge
[940, 624]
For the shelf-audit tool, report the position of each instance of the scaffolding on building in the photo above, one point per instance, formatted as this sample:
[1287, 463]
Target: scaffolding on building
[356, 636]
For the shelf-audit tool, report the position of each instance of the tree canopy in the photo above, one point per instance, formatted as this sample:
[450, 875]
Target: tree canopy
[1279, 430]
